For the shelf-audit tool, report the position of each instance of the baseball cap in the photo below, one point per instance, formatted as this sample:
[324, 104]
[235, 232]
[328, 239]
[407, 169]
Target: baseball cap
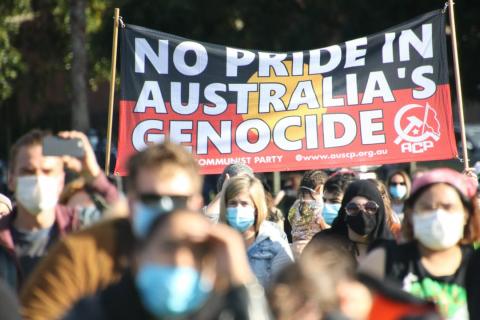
[463, 184]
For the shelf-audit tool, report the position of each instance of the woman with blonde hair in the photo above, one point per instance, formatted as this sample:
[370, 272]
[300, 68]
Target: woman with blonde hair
[243, 207]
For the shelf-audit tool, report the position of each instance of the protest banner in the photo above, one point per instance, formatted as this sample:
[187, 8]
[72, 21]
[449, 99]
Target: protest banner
[378, 99]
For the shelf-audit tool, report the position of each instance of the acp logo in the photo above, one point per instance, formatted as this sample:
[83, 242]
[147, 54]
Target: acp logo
[417, 128]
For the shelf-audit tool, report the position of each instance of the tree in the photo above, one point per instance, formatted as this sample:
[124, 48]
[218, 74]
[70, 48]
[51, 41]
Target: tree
[12, 14]
[80, 114]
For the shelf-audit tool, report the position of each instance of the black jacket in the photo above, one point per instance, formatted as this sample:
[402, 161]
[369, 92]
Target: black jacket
[121, 301]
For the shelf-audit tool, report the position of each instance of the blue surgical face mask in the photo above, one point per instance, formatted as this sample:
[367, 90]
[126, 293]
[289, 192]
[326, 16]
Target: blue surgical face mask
[144, 214]
[330, 212]
[398, 191]
[241, 218]
[169, 291]
[143, 217]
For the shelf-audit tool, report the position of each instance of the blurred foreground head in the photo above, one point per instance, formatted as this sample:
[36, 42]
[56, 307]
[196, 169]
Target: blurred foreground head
[314, 287]
[184, 260]
[163, 177]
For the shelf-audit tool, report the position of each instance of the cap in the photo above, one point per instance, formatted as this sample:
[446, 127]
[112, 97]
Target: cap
[465, 185]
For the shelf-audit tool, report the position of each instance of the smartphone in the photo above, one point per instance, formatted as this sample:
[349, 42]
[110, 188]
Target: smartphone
[56, 146]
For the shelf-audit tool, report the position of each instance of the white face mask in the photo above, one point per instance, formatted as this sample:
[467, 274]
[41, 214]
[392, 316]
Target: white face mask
[438, 229]
[37, 193]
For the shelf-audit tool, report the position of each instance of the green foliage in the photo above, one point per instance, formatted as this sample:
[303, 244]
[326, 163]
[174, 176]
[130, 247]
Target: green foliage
[260, 24]
[36, 57]
[12, 14]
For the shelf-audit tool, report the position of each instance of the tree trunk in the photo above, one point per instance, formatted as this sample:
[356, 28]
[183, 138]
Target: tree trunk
[80, 114]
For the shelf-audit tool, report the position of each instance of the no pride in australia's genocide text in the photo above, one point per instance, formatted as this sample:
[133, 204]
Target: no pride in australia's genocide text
[379, 99]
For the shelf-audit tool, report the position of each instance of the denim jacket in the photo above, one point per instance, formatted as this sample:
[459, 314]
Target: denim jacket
[269, 253]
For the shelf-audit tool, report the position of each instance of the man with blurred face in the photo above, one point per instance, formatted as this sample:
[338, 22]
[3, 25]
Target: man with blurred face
[37, 220]
[184, 267]
[161, 178]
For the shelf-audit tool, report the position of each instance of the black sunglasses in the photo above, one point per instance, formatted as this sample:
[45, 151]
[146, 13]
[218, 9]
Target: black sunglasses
[164, 202]
[397, 183]
[353, 208]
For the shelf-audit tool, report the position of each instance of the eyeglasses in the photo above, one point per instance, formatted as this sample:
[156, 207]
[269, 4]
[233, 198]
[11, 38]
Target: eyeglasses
[353, 208]
[397, 183]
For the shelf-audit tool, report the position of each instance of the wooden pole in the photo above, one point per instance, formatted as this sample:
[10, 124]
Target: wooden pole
[458, 84]
[112, 90]
[277, 179]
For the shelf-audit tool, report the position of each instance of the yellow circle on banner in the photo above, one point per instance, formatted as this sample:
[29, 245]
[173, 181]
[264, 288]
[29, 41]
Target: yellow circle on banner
[290, 83]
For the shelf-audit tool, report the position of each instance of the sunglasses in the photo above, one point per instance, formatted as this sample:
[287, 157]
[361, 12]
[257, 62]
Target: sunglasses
[397, 183]
[165, 202]
[353, 208]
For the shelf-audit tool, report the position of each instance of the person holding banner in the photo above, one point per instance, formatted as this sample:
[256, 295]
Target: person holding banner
[440, 225]
[243, 207]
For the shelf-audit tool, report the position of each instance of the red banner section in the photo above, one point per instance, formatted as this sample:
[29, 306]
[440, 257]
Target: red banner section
[379, 99]
[377, 133]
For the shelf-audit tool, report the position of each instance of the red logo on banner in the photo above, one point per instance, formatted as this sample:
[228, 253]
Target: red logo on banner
[416, 127]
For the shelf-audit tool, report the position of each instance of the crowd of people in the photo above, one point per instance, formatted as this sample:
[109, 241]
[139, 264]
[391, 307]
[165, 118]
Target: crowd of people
[75, 245]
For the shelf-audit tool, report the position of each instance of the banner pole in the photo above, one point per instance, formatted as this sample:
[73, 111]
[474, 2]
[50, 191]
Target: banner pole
[458, 84]
[112, 90]
[277, 181]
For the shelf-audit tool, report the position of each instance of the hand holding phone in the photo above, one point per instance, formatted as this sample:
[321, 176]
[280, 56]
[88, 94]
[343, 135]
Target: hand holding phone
[56, 146]
[75, 150]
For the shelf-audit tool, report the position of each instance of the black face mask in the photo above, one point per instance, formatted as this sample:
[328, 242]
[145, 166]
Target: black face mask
[362, 223]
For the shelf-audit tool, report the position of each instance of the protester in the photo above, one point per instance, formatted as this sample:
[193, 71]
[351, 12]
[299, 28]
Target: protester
[88, 204]
[440, 225]
[399, 185]
[161, 177]
[305, 216]
[333, 192]
[294, 295]
[286, 197]
[393, 221]
[212, 210]
[243, 207]
[361, 220]
[184, 267]
[37, 220]
[323, 284]
[274, 214]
